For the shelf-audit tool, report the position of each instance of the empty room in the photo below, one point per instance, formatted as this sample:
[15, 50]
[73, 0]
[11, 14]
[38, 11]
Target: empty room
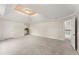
[39, 29]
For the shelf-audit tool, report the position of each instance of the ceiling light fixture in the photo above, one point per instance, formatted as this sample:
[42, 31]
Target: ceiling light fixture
[24, 10]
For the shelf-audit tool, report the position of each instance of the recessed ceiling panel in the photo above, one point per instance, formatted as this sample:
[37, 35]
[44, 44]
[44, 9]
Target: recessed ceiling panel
[25, 10]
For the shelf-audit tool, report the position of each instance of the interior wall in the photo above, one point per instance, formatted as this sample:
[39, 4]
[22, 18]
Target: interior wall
[10, 8]
[72, 41]
[13, 23]
[2, 9]
[17, 17]
[1, 30]
[11, 29]
[67, 24]
[54, 30]
[38, 18]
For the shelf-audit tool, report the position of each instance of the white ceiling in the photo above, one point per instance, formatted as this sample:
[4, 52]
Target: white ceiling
[52, 11]
[46, 12]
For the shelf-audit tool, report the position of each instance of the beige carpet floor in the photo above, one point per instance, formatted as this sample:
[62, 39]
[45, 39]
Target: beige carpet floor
[34, 45]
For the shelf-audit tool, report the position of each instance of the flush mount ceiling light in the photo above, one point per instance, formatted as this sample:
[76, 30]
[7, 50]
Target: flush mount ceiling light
[24, 10]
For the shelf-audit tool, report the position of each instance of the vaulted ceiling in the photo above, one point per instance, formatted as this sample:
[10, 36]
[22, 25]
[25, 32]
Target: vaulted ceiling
[47, 11]
[52, 11]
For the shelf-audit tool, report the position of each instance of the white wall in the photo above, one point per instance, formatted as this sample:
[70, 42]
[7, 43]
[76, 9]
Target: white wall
[11, 29]
[9, 8]
[54, 30]
[67, 26]
[1, 30]
[12, 23]
[2, 9]
[73, 32]
[17, 17]
[37, 18]
[40, 26]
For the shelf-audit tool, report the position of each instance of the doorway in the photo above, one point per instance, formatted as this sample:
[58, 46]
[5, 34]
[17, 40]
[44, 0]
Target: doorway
[71, 31]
